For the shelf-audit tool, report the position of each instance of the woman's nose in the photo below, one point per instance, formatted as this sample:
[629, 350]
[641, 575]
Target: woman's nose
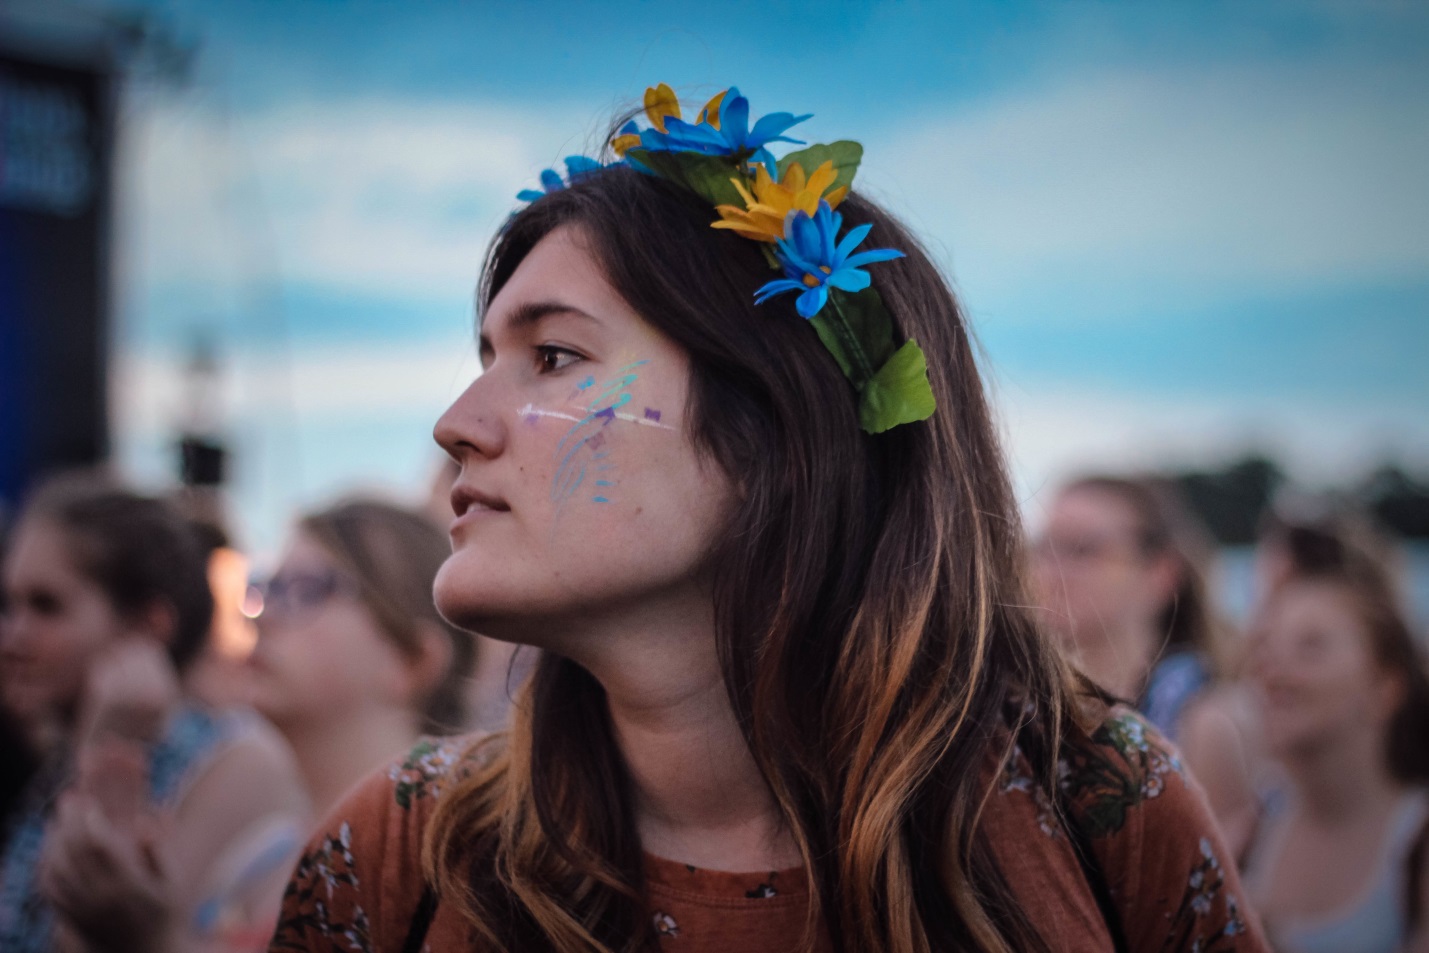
[472, 425]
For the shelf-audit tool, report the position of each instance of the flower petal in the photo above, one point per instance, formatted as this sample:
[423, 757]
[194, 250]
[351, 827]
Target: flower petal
[871, 256]
[660, 102]
[734, 119]
[851, 240]
[777, 287]
[811, 301]
[529, 195]
[577, 166]
[686, 136]
[710, 114]
[823, 177]
[551, 180]
[850, 279]
[771, 128]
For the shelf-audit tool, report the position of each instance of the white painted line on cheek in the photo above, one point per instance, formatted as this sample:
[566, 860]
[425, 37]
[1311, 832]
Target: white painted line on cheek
[531, 410]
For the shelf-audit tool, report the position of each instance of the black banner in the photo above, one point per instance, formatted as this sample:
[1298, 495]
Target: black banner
[56, 144]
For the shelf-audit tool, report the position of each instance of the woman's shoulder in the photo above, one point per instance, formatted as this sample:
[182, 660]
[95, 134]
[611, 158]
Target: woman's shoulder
[358, 881]
[1122, 762]
[1151, 836]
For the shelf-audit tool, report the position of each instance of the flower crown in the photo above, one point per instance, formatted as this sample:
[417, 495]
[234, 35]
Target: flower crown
[790, 210]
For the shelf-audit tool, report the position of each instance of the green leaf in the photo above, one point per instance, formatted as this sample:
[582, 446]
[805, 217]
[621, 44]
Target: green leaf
[899, 393]
[834, 342]
[846, 156]
[857, 331]
[707, 176]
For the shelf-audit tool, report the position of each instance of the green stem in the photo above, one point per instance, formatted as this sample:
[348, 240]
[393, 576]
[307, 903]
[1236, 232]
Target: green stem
[849, 340]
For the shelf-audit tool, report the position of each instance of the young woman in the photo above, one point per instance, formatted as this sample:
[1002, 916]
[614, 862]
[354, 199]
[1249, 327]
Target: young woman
[1121, 569]
[352, 661]
[154, 823]
[788, 697]
[1340, 861]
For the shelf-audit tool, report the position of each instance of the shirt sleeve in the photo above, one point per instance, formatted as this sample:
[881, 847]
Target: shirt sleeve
[1171, 881]
[358, 882]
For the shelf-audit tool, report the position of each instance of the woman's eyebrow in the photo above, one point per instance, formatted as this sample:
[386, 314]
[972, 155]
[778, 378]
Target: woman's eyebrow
[528, 313]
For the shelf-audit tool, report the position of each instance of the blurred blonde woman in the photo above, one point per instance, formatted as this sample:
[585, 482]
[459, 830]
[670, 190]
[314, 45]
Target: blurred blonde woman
[1339, 860]
[352, 661]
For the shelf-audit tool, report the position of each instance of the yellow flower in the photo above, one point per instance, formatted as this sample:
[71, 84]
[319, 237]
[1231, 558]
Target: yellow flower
[763, 217]
[661, 104]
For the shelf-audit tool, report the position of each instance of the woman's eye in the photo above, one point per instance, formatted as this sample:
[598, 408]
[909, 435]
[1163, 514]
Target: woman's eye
[552, 358]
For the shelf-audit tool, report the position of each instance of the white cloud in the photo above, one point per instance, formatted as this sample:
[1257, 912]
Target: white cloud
[1053, 434]
[370, 196]
[1141, 190]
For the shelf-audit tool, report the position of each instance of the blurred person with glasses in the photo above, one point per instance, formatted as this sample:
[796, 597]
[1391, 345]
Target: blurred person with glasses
[353, 662]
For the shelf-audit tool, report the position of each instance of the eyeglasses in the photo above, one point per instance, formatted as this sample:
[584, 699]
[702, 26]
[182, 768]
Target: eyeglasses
[296, 592]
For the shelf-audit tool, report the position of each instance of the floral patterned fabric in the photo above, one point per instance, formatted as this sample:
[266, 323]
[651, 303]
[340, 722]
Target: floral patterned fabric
[1156, 862]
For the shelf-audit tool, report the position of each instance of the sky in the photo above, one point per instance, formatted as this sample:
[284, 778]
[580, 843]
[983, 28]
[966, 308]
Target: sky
[1181, 230]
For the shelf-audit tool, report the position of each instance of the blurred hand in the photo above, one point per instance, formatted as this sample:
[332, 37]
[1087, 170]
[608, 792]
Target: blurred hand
[132, 690]
[108, 883]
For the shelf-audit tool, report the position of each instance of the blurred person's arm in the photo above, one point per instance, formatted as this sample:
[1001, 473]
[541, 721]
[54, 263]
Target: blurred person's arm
[206, 875]
[1217, 756]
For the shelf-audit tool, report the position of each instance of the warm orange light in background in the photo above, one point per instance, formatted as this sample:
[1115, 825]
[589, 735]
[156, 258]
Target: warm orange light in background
[234, 634]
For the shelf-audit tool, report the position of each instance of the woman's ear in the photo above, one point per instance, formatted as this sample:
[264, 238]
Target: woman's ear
[427, 663]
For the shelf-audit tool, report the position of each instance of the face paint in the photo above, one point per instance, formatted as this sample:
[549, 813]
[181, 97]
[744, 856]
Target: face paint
[588, 434]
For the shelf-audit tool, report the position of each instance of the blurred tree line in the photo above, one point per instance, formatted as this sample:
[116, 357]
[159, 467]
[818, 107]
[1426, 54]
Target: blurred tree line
[1232, 499]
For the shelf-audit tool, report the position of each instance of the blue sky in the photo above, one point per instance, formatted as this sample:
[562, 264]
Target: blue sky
[1180, 230]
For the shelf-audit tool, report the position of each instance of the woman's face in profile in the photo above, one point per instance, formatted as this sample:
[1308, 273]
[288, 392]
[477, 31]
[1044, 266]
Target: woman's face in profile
[1315, 673]
[320, 652]
[581, 499]
[57, 622]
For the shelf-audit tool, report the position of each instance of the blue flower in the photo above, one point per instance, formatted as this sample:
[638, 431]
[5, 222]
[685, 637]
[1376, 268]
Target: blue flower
[722, 131]
[813, 262]
[577, 167]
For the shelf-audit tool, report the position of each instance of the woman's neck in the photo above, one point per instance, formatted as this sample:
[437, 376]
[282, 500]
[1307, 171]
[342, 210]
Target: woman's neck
[1344, 780]
[699, 796]
[334, 753]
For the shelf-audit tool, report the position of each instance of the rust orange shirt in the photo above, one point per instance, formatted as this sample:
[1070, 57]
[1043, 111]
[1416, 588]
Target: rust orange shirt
[1167, 878]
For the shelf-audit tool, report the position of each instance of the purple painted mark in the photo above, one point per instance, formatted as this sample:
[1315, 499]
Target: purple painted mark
[652, 414]
[607, 414]
[595, 442]
[533, 418]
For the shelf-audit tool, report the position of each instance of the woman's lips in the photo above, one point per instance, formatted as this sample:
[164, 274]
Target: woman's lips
[470, 505]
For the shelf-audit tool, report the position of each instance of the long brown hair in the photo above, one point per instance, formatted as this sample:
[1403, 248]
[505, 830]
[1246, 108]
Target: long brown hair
[394, 553]
[869, 610]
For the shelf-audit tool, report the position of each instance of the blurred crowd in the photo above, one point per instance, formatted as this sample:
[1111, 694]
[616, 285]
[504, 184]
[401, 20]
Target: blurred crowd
[169, 743]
